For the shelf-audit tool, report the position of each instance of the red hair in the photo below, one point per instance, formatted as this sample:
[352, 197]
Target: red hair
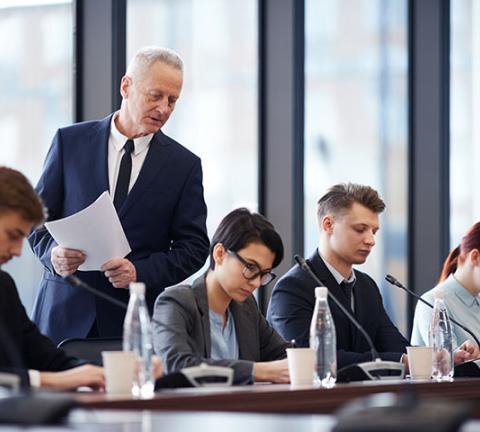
[470, 241]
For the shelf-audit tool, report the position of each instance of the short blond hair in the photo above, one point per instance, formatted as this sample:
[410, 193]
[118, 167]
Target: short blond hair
[341, 197]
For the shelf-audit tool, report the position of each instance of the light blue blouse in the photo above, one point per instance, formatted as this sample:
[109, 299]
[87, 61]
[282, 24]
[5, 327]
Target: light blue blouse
[460, 304]
[223, 340]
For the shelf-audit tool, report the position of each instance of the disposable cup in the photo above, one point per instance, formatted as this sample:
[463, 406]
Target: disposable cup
[119, 367]
[301, 365]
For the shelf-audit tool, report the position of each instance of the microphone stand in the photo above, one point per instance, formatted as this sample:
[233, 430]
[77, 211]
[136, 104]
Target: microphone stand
[390, 279]
[469, 368]
[377, 368]
[76, 281]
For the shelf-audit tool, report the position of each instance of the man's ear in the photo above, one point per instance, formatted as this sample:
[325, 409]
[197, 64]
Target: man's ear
[125, 84]
[219, 253]
[327, 223]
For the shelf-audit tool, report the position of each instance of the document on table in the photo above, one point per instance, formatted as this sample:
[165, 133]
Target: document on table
[95, 230]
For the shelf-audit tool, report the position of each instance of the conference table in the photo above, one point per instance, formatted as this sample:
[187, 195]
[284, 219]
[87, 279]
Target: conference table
[285, 399]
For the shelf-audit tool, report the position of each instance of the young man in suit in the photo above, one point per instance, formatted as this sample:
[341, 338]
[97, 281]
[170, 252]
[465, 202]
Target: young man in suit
[348, 218]
[156, 186]
[22, 347]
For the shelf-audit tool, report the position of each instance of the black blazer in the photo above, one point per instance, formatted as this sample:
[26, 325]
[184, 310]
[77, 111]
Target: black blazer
[291, 308]
[22, 346]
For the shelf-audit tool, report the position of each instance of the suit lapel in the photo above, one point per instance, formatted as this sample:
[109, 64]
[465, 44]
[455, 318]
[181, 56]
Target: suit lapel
[200, 292]
[97, 143]
[156, 160]
[243, 330]
[330, 282]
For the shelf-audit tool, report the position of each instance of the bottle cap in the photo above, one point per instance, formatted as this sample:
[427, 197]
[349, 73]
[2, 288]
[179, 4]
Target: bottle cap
[137, 288]
[321, 292]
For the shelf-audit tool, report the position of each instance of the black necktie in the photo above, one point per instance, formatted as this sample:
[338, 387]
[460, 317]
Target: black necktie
[123, 181]
[347, 288]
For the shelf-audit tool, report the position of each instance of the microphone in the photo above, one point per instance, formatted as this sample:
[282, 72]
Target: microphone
[302, 262]
[76, 281]
[377, 368]
[390, 279]
[466, 369]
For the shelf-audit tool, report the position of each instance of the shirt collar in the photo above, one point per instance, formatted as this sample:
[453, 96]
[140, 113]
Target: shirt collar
[462, 293]
[336, 274]
[119, 140]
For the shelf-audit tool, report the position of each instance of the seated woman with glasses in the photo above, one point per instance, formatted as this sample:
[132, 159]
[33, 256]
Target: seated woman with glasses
[216, 320]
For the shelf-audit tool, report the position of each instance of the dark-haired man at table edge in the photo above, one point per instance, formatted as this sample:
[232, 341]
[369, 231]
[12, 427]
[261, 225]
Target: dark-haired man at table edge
[23, 349]
[348, 218]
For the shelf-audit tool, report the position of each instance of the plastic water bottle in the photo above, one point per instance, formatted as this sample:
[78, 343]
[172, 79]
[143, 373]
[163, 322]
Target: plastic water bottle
[137, 337]
[440, 339]
[323, 340]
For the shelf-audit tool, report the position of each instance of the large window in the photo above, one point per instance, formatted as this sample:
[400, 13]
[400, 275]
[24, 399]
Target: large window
[356, 121]
[35, 97]
[216, 116]
[464, 117]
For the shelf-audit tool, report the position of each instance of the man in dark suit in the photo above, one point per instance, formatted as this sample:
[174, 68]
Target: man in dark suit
[23, 349]
[348, 221]
[156, 186]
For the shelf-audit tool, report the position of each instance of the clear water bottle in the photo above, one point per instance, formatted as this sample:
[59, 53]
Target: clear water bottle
[323, 340]
[137, 337]
[440, 339]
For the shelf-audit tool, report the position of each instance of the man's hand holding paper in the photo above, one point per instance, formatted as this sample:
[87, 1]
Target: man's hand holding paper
[66, 261]
[120, 272]
[89, 239]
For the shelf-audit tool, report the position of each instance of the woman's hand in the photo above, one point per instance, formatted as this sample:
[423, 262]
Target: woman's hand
[274, 371]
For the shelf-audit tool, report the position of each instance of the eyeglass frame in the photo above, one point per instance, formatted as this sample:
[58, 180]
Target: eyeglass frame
[247, 264]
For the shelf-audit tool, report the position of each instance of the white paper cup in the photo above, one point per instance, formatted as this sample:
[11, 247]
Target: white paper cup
[119, 367]
[301, 365]
[420, 362]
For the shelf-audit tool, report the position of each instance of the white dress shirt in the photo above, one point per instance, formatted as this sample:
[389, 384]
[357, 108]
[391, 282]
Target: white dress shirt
[339, 278]
[116, 141]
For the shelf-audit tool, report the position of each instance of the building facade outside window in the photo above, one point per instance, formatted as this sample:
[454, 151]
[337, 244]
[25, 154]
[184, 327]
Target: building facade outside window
[356, 114]
[36, 48]
[216, 115]
[464, 117]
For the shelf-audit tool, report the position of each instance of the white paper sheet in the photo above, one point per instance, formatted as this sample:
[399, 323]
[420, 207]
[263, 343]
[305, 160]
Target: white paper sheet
[95, 230]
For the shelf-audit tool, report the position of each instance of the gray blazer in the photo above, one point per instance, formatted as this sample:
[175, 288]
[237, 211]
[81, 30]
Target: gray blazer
[181, 334]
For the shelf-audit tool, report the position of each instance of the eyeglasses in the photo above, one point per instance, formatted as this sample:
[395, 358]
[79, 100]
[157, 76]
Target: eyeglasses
[252, 271]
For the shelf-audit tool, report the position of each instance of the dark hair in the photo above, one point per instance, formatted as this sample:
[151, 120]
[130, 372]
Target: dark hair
[470, 241]
[18, 195]
[342, 196]
[240, 227]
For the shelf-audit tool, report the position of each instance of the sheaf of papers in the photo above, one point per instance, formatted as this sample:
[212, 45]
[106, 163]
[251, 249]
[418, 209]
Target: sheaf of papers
[95, 230]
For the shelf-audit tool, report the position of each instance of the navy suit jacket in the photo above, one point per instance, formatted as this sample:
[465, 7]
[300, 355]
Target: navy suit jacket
[293, 300]
[163, 216]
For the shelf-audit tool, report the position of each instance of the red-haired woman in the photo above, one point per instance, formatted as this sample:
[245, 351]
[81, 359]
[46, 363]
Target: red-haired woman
[459, 285]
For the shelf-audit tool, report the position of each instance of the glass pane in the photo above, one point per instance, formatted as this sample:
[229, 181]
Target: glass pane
[216, 116]
[464, 115]
[35, 98]
[356, 121]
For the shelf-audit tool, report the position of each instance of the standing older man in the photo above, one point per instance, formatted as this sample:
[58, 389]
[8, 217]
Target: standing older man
[156, 185]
